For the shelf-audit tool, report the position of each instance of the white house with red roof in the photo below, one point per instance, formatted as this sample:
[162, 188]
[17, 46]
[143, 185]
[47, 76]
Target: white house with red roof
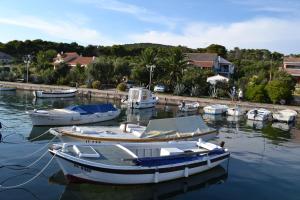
[72, 59]
[211, 61]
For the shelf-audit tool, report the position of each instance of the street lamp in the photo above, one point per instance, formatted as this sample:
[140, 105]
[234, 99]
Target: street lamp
[151, 69]
[27, 60]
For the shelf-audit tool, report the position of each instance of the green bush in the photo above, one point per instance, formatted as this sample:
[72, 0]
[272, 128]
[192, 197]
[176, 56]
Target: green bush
[96, 84]
[257, 93]
[278, 90]
[121, 87]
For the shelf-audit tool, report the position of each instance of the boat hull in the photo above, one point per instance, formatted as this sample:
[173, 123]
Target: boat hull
[57, 94]
[140, 105]
[138, 175]
[44, 119]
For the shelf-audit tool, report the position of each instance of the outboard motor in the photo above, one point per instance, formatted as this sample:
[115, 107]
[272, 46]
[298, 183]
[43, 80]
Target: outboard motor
[255, 113]
[222, 144]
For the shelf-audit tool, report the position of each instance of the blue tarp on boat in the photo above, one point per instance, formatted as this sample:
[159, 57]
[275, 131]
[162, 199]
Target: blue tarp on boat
[173, 159]
[91, 109]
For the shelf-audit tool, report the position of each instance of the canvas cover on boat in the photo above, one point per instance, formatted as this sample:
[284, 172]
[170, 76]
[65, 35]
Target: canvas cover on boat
[189, 124]
[91, 109]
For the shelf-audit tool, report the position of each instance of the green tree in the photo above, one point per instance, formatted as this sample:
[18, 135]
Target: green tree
[281, 87]
[257, 93]
[176, 63]
[101, 69]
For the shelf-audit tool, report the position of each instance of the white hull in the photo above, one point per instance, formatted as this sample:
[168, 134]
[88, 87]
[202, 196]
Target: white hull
[285, 116]
[120, 170]
[215, 109]
[55, 94]
[140, 105]
[45, 118]
[189, 107]
[85, 173]
[259, 114]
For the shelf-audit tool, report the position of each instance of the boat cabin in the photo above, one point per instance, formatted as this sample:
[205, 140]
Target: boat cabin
[139, 94]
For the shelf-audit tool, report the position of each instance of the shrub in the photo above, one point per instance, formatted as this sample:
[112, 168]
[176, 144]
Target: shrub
[121, 87]
[278, 90]
[96, 84]
[257, 93]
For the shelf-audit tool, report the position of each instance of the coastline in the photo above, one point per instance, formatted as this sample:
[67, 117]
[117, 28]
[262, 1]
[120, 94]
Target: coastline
[164, 99]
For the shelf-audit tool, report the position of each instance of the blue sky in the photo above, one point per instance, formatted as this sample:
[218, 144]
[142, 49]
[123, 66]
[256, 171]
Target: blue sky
[269, 24]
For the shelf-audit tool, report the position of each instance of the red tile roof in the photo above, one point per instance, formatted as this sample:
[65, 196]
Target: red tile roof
[291, 59]
[205, 64]
[81, 60]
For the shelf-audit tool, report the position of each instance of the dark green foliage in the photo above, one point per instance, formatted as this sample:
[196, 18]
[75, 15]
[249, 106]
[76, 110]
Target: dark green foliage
[281, 87]
[257, 93]
[101, 69]
[96, 84]
[121, 87]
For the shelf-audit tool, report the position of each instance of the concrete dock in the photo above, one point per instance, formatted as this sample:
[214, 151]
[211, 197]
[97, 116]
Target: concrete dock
[166, 99]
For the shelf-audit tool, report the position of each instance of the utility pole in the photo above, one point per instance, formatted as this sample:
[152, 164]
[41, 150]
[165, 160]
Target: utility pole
[151, 69]
[27, 60]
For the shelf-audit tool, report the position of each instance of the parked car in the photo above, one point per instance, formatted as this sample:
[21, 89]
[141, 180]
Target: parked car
[160, 88]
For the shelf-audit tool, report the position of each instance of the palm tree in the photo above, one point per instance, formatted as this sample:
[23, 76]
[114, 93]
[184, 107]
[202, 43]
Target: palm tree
[176, 64]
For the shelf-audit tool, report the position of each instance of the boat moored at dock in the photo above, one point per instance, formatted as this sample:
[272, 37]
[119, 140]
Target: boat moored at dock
[55, 93]
[260, 114]
[74, 115]
[140, 98]
[137, 163]
[286, 115]
[215, 109]
[157, 130]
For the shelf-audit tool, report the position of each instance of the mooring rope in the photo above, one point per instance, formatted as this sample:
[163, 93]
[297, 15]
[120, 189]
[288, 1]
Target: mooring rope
[28, 181]
[31, 154]
[25, 167]
[32, 139]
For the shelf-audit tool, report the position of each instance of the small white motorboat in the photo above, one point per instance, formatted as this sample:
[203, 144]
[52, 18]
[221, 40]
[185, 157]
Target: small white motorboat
[137, 163]
[157, 130]
[235, 111]
[215, 109]
[188, 107]
[55, 93]
[140, 98]
[260, 114]
[73, 115]
[285, 115]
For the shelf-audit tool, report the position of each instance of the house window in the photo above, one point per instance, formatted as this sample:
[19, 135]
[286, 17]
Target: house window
[293, 66]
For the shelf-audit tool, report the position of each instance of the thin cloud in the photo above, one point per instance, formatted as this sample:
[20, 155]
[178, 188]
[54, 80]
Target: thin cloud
[138, 12]
[275, 6]
[66, 30]
[267, 33]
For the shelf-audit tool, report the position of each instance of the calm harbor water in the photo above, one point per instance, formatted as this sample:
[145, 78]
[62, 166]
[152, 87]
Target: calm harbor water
[264, 163]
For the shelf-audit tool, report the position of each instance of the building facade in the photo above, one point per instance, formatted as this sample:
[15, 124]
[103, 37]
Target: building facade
[5, 58]
[211, 61]
[292, 66]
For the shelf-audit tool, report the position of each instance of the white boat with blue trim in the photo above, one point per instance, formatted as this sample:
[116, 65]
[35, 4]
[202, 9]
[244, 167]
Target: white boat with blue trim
[137, 163]
[74, 115]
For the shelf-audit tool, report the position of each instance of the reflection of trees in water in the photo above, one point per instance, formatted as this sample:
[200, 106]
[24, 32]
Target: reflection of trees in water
[276, 135]
[163, 190]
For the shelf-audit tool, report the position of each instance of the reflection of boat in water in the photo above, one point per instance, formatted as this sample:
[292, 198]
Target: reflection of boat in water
[140, 115]
[234, 118]
[255, 124]
[210, 117]
[37, 131]
[282, 126]
[164, 190]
